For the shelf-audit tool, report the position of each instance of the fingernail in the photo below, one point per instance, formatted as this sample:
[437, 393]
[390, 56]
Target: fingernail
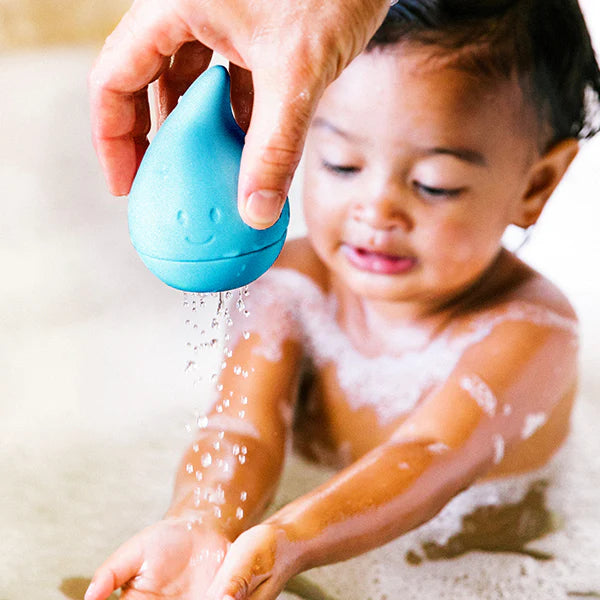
[263, 207]
[88, 593]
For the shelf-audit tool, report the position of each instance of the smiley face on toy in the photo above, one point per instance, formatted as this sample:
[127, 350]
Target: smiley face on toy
[183, 216]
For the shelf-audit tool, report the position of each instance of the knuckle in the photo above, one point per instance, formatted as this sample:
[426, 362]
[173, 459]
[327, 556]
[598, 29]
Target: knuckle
[241, 586]
[280, 156]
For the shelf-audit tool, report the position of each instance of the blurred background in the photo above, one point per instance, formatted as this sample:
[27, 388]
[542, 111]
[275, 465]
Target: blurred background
[93, 397]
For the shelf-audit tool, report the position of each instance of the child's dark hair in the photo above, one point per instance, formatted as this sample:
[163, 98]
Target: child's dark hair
[545, 43]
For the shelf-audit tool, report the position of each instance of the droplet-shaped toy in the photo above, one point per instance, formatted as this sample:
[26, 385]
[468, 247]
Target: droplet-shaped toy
[183, 216]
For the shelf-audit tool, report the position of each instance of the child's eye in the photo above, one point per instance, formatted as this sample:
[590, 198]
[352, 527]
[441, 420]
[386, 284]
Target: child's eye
[340, 169]
[435, 192]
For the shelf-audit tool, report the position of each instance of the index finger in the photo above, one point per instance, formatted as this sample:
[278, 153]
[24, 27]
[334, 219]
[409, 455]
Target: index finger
[134, 55]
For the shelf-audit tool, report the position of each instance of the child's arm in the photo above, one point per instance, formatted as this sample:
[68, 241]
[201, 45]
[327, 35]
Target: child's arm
[179, 555]
[245, 435]
[452, 438]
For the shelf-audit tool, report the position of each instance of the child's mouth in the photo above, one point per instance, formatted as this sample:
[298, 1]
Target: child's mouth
[378, 262]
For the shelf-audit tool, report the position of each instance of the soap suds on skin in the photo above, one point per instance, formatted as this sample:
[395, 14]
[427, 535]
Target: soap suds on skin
[480, 392]
[286, 305]
[532, 423]
[498, 442]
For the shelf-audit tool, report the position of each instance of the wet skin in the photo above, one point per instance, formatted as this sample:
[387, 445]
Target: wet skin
[406, 204]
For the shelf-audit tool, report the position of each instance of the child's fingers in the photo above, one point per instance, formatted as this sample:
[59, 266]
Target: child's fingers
[246, 574]
[116, 571]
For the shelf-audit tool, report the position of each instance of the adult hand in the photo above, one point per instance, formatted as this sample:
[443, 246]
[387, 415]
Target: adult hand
[170, 559]
[284, 53]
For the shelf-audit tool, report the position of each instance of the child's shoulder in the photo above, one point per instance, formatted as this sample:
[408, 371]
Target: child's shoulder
[523, 289]
[532, 287]
[298, 255]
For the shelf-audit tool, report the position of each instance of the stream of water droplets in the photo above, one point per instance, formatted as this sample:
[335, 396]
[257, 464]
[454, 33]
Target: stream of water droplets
[209, 319]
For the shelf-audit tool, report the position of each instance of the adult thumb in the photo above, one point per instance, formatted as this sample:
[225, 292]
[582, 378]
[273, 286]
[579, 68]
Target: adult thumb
[280, 119]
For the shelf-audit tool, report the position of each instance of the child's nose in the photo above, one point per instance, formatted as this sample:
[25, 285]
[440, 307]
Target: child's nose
[384, 210]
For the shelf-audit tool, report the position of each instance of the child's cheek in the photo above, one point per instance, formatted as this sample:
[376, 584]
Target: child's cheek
[459, 248]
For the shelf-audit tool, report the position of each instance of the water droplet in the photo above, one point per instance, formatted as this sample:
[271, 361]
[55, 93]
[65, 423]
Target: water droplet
[246, 291]
[242, 414]
[244, 496]
[213, 376]
[199, 475]
[214, 323]
[189, 468]
[219, 387]
[189, 525]
[246, 334]
[229, 353]
[228, 295]
[203, 422]
[242, 459]
[245, 374]
[206, 460]
[236, 449]
[229, 322]
[214, 342]
[226, 402]
[219, 408]
[239, 513]
[244, 450]
[244, 399]
[217, 512]
[191, 365]
[227, 337]
[237, 369]
[246, 313]
[223, 365]
[188, 322]
[216, 445]
[188, 428]
[221, 434]
[196, 448]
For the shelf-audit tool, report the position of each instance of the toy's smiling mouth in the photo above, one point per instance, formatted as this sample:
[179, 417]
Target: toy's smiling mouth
[203, 242]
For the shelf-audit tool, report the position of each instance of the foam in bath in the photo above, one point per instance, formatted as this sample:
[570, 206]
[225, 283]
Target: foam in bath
[183, 216]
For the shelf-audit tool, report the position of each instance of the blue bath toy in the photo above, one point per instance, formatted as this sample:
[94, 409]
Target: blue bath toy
[183, 216]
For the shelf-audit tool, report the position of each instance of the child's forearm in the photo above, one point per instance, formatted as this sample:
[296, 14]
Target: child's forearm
[227, 480]
[391, 490]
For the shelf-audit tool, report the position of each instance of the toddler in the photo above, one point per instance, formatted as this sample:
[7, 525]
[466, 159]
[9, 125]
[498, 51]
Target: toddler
[399, 342]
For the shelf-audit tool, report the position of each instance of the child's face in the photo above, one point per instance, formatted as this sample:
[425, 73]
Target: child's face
[413, 171]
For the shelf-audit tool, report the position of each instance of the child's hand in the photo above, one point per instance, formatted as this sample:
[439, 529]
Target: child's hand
[169, 559]
[257, 566]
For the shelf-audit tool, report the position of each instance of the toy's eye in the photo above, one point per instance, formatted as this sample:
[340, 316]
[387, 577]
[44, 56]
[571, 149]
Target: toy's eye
[215, 215]
[182, 217]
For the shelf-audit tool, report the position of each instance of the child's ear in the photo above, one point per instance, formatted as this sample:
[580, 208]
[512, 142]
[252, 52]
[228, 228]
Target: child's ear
[543, 178]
